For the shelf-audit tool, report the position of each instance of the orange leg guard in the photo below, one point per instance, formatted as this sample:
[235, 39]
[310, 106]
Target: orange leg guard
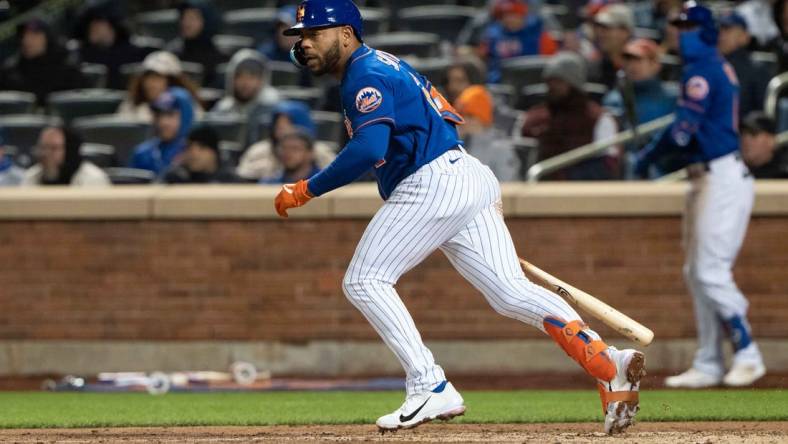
[589, 353]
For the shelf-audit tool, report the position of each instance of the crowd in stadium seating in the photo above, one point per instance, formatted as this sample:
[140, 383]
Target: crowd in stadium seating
[196, 91]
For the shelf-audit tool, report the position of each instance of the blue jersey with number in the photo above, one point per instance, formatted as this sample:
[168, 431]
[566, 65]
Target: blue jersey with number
[380, 88]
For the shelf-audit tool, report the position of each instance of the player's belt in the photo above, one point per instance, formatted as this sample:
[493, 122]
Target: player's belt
[699, 169]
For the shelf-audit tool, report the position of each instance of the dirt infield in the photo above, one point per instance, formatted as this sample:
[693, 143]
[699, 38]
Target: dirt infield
[645, 433]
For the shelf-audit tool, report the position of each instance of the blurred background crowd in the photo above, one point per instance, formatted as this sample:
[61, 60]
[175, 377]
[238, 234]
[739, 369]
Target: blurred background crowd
[94, 93]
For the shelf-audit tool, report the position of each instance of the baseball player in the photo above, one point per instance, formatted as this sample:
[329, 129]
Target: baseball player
[718, 204]
[436, 197]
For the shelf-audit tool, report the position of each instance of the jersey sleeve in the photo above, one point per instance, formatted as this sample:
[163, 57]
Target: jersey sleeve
[367, 101]
[692, 106]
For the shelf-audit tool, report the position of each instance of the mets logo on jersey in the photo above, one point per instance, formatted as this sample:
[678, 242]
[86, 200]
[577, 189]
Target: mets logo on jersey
[300, 14]
[697, 88]
[368, 99]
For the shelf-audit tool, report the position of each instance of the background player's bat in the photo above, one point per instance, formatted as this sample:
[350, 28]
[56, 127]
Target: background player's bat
[596, 308]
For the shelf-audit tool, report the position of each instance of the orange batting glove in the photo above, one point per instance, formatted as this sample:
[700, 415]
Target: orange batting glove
[292, 195]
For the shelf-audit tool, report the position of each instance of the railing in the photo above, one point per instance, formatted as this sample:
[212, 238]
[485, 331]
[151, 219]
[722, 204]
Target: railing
[773, 90]
[555, 163]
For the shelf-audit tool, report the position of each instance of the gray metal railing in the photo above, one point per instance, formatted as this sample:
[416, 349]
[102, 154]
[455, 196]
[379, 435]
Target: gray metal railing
[773, 90]
[555, 163]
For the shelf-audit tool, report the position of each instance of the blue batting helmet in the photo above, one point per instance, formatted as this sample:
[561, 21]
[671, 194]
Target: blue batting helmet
[695, 14]
[327, 14]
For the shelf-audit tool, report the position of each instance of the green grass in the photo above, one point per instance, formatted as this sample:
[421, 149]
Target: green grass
[32, 409]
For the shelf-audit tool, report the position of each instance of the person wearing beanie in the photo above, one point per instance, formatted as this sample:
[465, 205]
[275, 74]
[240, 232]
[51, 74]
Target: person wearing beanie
[42, 66]
[481, 138]
[201, 161]
[160, 70]
[759, 149]
[260, 160]
[247, 93]
[60, 162]
[515, 32]
[173, 118]
[10, 174]
[734, 45]
[568, 119]
[296, 154]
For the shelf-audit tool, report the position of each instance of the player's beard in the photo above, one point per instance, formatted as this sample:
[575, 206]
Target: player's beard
[330, 60]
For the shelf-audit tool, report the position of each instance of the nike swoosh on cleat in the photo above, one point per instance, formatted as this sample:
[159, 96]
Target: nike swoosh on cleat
[403, 418]
[454, 160]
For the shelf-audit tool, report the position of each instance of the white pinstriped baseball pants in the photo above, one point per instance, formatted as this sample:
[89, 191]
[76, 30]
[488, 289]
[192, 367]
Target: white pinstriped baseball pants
[453, 204]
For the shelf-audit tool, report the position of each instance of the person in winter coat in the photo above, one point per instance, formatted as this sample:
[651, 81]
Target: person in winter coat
[60, 162]
[199, 23]
[42, 66]
[173, 118]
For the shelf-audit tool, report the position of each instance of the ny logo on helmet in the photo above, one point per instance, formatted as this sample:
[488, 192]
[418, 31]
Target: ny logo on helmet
[300, 14]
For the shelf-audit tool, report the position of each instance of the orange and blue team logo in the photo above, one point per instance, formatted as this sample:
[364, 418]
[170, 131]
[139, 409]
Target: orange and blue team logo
[300, 14]
[368, 99]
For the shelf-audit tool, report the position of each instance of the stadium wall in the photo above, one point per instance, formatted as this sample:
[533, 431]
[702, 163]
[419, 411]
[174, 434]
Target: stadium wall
[156, 278]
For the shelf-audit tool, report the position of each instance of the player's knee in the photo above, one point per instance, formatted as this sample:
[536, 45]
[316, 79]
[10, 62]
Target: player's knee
[708, 275]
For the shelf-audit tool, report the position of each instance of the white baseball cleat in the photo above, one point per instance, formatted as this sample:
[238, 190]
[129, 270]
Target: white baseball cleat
[741, 375]
[692, 378]
[444, 402]
[620, 400]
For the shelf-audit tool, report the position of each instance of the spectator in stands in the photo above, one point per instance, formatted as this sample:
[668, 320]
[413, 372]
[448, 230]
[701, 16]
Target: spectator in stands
[260, 159]
[42, 66]
[760, 19]
[247, 92]
[173, 117]
[654, 15]
[570, 119]
[199, 22]
[514, 33]
[781, 42]
[278, 47]
[481, 138]
[60, 162]
[10, 174]
[733, 43]
[201, 161]
[640, 96]
[759, 147]
[613, 28]
[105, 40]
[295, 152]
[160, 70]
[461, 75]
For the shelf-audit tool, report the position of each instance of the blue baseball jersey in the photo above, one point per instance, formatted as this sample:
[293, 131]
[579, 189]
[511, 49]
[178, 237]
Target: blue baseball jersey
[380, 88]
[707, 114]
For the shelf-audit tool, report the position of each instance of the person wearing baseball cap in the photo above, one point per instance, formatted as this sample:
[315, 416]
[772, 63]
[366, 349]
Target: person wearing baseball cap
[482, 139]
[613, 27]
[515, 32]
[734, 45]
[764, 158]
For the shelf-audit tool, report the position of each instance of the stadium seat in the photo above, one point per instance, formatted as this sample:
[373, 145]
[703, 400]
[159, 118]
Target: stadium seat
[209, 96]
[313, 97]
[782, 115]
[229, 127]
[193, 70]
[503, 94]
[162, 24]
[230, 152]
[418, 44]
[330, 126]
[146, 41]
[99, 154]
[130, 176]
[671, 67]
[16, 102]
[596, 91]
[375, 20]
[230, 5]
[527, 150]
[434, 69]
[284, 74]
[521, 71]
[22, 130]
[257, 23]
[768, 60]
[230, 44]
[446, 22]
[95, 75]
[120, 132]
[72, 104]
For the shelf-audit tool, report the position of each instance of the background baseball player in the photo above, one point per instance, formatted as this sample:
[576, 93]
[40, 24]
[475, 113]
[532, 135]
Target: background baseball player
[436, 197]
[718, 204]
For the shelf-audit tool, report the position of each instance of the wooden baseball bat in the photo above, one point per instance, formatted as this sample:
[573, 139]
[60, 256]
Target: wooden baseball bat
[598, 309]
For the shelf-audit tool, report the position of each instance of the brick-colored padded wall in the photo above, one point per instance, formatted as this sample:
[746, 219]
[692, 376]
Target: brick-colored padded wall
[274, 280]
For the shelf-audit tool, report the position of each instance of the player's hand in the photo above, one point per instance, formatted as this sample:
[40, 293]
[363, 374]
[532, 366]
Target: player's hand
[292, 195]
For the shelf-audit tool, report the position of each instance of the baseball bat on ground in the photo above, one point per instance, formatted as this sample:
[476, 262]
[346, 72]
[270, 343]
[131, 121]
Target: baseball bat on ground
[596, 308]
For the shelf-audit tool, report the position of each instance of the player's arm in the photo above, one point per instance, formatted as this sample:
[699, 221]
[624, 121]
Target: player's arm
[691, 110]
